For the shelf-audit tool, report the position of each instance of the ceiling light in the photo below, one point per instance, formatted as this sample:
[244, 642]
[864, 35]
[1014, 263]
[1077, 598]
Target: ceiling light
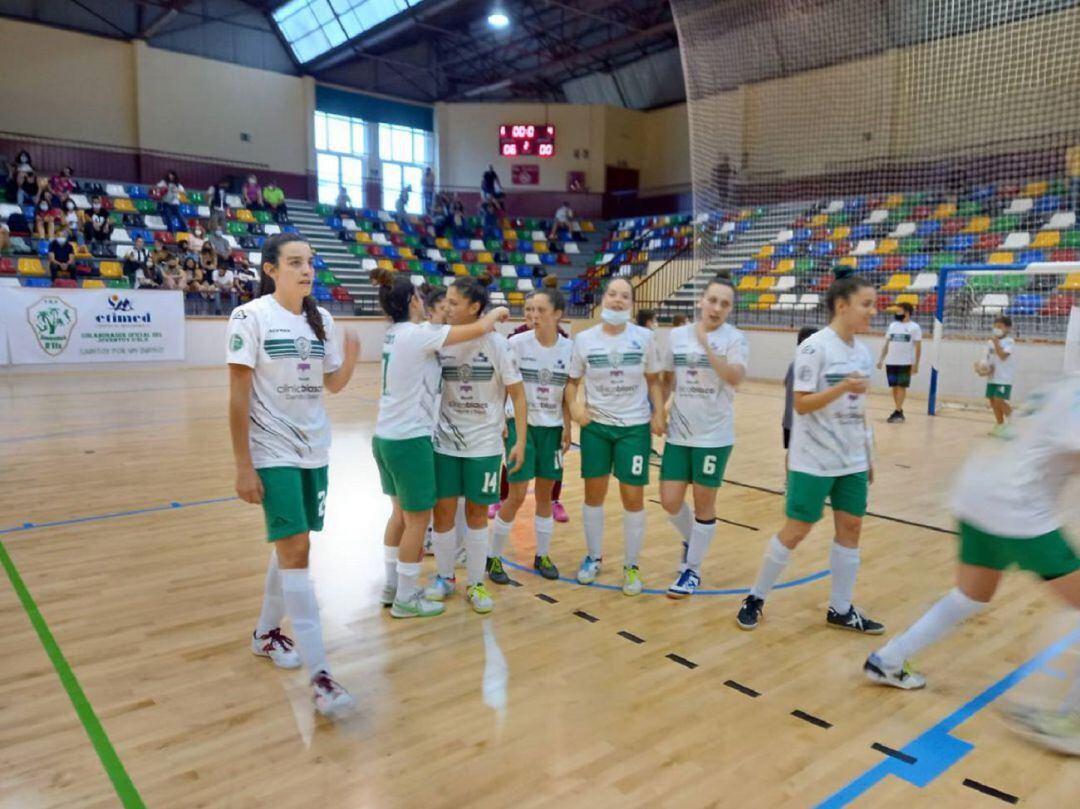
[498, 19]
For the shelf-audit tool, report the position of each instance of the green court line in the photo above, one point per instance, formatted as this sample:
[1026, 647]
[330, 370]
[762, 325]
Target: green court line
[114, 768]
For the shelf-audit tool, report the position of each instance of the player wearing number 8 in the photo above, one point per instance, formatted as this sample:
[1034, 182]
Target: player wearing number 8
[703, 362]
[619, 365]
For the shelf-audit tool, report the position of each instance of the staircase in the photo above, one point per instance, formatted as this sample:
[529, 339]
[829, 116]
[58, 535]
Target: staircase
[335, 253]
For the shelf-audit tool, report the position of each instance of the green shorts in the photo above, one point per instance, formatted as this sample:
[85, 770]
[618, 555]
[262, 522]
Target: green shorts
[806, 495]
[1048, 555]
[294, 500]
[701, 465]
[475, 479]
[623, 449]
[407, 470]
[998, 391]
[543, 453]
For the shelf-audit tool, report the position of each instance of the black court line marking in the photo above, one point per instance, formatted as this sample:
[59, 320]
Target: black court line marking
[547, 598]
[993, 793]
[720, 519]
[903, 466]
[904, 757]
[592, 619]
[630, 636]
[682, 661]
[742, 689]
[813, 720]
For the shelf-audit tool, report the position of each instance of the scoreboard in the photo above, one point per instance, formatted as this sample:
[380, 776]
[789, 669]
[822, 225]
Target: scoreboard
[527, 140]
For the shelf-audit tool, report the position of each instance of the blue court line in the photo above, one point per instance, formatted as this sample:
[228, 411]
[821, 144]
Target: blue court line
[936, 750]
[821, 574]
[33, 526]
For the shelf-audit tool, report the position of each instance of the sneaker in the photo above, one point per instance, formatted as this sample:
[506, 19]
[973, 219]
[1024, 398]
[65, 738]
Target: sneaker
[462, 557]
[896, 417]
[479, 598]
[685, 585]
[546, 567]
[330, 698]
[632, 585]
[1001, 431]
[558, 512]
[750, 612]
[416, 607]
[389, 593]
[493, 510]
[854, 621]
[440, 589]
[1054, 730]
[496, 572]
[278, 647]
[589, 570]
[903, 677]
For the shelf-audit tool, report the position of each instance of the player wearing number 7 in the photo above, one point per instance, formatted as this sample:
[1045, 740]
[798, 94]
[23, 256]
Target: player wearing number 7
[702, 362]
[477, 376]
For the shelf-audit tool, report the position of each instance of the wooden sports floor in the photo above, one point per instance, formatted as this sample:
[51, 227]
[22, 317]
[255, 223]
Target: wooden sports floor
[133, 578]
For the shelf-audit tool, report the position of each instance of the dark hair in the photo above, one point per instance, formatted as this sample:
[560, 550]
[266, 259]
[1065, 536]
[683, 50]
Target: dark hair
[644, 316]
[723, 278]
[271, 253]
[843, 288]
[550, 289]
[432, 295]
[475, 290]
[396, 291]
[804, 332]
[678, 320]
[1004, 319]
[171, 176]
[194, 264]
[907, 307]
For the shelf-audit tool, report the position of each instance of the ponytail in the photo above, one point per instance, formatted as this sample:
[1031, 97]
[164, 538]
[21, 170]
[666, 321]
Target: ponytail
[271, 252]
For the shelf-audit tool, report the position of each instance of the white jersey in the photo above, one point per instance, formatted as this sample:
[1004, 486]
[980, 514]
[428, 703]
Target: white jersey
[544, 372]
[834, 440]
[475, 376]
[1004, 370]
[703, 405]
[902, 338]
[1013, 488]
[288, 420]
[410, 380]
[614, 368]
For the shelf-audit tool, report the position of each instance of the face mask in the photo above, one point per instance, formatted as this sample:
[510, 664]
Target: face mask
[900, 317]
[61, 239]
[614, 317]
[999, 332]
[217, 232]
[44, 206]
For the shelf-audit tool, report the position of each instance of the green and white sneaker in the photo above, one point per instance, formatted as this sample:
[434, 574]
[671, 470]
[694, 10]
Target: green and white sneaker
[632, 584]
[546, 567]
[496, 572]
[440, 589]
[416, 607]
[479, 598]
[1055, 730]
[903, 677]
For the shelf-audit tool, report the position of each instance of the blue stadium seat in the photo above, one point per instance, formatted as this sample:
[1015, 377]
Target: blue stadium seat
[861, 232]
[823, 248]
[786, 250]
[802, 235]
[748, 266]
[1031, 256]
[1047, 203]
[982, 192]
[37, 282]
[928, 227]
[1026, 304]
[961, 243]
[956, 280]
[916, 262]
[869, 264]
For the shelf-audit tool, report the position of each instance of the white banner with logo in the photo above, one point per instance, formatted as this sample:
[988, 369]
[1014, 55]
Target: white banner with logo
[43, 326]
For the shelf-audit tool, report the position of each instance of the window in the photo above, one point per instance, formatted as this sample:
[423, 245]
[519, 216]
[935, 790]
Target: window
[313, 27]
[405, 153]
[340, 156]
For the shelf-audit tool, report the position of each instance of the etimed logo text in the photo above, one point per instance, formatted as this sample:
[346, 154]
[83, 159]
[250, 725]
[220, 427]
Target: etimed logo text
[122, 312]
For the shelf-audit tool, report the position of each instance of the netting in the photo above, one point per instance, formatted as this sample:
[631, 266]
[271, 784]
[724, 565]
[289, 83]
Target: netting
[894, 137]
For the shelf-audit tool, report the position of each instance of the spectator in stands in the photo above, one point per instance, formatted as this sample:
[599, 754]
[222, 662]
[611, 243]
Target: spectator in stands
[646, 318]
[97, 230]
[208, 261]
[137, 257]
[217, 197]
[429, 190]
[246, 277]
[23, 163]
[274, 198]
[343, 207]
[563, 221]
[172, 274]
[62, 186]
[195, 278]
[402, 203]
[219, 244]
[5, 239]
[678, 320]
[159, 255]
[185, 251]
[224, 285]
[457, 219]
[252, 194]
[196, 238]
[491, 188]
[489, 218]
[147, 277]
[61, 256]
[46, 217]
[168, 191]
[26, 188]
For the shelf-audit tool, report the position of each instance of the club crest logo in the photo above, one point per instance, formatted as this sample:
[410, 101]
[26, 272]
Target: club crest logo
[303, 347]
[53, 321]
[544, 376]
[465, 373]
[615, 358]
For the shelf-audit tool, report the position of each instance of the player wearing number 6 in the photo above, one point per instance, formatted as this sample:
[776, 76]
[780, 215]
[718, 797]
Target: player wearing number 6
[619, 364]
[477, 376]
[703, 362]
[281, 355]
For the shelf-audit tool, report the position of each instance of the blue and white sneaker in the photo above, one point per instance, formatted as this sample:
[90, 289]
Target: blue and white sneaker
[685, 585]
[440, 589]
[589, 570]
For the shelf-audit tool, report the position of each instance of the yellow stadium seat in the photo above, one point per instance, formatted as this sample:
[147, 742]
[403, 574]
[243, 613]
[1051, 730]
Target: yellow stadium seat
[1072, 281]
[182, 237]
[1036, 188]
[766, 301]
[123, 205]
[887, 246]
[588, 226]
[745, 213]
[515, 298]
[839, 232]
[485, 258]
[392, 227]
[894, 200]
[945, 210]
[766, 282]
[82, 251]
[406, 252]
[977, 224]
[848, 261]
[1000, 257]
[748, 282]
[244, 215]
[111, 269]
[765, 251]
[444, 244]
[785, 266]
[363, 237]
[898, 281]
[460, 269]
[540, 247]
[1046, 238]
[909, 298]
[30, 266]
[385, 264]
[93, 283]
[819, 220]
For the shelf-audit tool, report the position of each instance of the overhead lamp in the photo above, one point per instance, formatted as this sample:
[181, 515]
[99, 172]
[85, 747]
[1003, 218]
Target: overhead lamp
[497, 18]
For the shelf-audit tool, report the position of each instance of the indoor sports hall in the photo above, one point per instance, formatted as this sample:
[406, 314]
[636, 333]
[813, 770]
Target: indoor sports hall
[182, 181]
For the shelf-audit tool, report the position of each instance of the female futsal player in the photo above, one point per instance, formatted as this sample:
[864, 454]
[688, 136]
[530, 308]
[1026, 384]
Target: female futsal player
[620, 366]
[281, 355]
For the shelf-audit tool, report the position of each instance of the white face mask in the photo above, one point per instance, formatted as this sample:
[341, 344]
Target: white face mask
[999, 332]
[61, 239]
[217, 232]
[615, 317]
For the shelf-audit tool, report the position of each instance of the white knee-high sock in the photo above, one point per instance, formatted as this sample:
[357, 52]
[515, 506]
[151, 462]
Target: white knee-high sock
[500, 532]
[444, 544]
[303, 610]
[844, 563]
[701, 537]
[776, 559]
[633, 526]
[935, 623]
[544, 526]
[460, 525]
[390, 560]
[476, 547]
[592, 517]
[683, 521]
[408, 580]
[273, 606]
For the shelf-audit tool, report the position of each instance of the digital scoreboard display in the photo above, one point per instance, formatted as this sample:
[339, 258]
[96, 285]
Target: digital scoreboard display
[527, 140]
